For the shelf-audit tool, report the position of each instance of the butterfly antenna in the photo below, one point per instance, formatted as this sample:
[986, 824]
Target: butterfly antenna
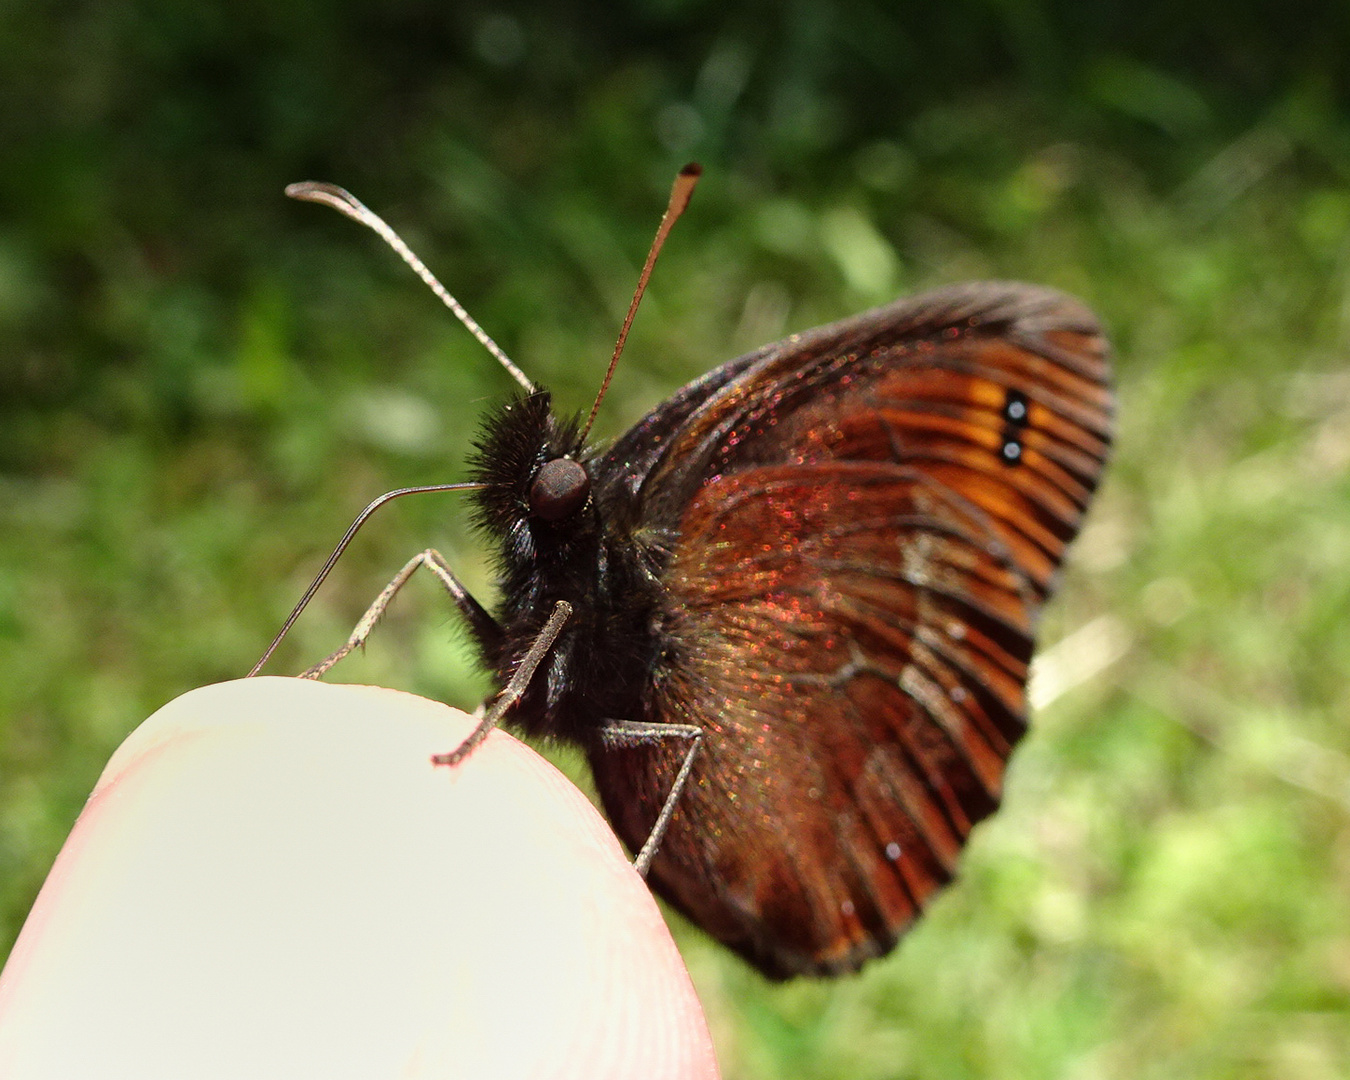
[344, 202]
[680, 194]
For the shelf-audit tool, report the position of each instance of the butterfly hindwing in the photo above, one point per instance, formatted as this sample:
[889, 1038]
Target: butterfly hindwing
[864, 522]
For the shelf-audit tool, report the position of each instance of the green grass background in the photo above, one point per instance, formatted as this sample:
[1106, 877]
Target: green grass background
[201, 382]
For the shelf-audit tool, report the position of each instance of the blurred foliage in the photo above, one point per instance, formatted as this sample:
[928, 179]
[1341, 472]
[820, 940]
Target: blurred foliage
[201, 382]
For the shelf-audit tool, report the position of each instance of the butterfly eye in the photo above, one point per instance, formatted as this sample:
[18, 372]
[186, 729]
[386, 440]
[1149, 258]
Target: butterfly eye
[561, 488]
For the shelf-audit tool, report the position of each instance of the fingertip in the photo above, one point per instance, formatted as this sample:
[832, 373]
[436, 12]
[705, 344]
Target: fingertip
[271, 866]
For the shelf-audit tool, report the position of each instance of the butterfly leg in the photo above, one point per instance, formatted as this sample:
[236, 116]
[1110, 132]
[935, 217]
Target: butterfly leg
[484, 627]
[490, 715]
[619, 733]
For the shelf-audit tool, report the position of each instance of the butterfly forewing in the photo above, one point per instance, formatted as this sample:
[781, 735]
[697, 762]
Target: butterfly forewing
[866, 520]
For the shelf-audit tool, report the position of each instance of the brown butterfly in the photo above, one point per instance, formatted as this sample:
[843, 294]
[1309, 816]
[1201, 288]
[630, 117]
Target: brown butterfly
[801, 595]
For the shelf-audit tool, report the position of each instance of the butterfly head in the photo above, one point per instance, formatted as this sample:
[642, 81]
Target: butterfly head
[532, 465]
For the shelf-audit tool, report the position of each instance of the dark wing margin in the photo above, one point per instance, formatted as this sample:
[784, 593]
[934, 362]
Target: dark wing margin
[869, 518]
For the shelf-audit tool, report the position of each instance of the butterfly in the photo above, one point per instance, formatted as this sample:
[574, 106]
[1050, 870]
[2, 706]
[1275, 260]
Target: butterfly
[789, 615]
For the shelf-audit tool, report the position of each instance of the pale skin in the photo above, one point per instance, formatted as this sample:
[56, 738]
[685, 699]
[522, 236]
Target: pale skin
[272, 879]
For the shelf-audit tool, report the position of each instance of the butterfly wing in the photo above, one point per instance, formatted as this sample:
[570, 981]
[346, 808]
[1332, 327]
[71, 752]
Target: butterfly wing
[863, 524]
